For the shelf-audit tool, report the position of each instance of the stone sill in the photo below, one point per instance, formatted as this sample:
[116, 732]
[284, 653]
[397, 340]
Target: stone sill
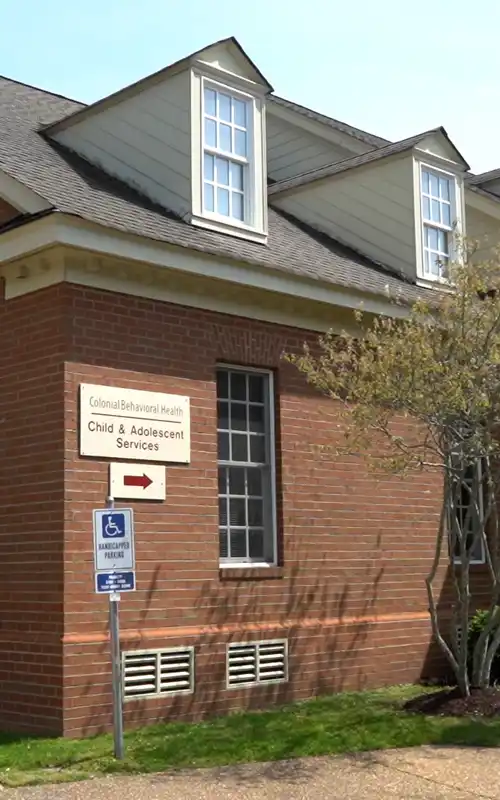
[250, 573]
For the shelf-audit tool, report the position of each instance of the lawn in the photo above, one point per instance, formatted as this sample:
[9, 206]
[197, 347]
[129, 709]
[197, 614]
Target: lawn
[338, 723]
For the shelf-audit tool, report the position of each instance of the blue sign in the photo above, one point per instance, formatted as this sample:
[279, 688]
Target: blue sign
[113, 539]
[113, 525]
[109, 582]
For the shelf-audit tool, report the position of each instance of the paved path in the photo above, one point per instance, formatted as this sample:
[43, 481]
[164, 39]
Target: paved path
[427, 773]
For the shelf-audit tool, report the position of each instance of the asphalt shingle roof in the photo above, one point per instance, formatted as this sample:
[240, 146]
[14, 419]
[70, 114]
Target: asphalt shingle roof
[73, 186]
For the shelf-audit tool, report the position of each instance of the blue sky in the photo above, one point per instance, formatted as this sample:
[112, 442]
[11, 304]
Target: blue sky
[392, 68]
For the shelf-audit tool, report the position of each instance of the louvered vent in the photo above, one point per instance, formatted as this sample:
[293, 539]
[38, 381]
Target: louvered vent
[259, 662]
[156, 672]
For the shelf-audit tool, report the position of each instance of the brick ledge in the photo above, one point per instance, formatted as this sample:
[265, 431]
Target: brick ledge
[250, 573]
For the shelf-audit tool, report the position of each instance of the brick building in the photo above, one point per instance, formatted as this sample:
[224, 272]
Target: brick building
[178, 237]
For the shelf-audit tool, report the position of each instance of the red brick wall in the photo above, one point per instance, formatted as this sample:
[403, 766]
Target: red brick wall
[348, 595]
[352, 547]
[33, 343]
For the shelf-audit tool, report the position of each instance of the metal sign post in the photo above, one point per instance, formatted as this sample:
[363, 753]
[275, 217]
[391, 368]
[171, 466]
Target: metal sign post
[114, 562]
[116, 666]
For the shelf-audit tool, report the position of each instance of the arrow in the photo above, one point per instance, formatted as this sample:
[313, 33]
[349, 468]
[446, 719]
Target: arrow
[137, 480]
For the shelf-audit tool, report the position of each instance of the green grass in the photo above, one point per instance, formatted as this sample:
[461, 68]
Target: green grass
[338, 723]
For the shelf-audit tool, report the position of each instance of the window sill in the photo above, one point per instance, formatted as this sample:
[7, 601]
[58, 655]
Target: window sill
[228, 573]
[221, 225]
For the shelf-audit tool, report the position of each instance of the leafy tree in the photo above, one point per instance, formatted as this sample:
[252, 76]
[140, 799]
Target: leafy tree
[420, 390]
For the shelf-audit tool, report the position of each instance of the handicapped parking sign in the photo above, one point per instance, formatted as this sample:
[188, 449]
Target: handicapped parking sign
[113, 539]
[113, 525]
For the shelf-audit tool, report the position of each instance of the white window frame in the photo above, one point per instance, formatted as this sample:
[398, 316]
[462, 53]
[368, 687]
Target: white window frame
[271, 444]
[247, 162]
[254, 225]
[451, 231]
[482, 557]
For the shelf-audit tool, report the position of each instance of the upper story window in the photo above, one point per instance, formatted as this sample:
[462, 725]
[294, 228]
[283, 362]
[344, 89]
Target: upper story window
[226, 154]
[439, 213]
[228, 164]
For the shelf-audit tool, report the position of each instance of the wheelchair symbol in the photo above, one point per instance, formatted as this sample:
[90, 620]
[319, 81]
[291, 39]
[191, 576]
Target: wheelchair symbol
[113, 526]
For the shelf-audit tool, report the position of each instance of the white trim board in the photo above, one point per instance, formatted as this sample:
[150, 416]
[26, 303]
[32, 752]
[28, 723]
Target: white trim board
[65, 230]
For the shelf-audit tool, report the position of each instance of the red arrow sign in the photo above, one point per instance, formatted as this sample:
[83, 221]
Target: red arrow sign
[137, 480]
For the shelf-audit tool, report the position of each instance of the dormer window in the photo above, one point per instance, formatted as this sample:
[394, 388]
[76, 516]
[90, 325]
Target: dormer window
[226, 154]
[439, 213]
[229, 176]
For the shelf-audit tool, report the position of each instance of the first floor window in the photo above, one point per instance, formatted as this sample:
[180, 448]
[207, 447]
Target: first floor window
[245, 430]
[469, 501]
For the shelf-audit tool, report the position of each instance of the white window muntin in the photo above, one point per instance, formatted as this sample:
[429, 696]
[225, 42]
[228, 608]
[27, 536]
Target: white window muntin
[227, 154]
[247, 469]
[438, 204]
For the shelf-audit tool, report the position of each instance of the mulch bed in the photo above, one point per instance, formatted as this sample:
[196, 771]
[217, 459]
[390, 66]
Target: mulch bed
[450, 703]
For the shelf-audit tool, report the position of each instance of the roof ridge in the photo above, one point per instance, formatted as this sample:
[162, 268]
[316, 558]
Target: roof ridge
[42, 91]
[342, 164]
[325, 119]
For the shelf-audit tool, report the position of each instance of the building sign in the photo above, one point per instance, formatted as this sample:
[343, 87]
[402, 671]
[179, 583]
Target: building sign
[132, 424]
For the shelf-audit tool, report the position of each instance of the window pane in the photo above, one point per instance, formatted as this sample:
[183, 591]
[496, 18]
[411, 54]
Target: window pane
[254, 481]
[223, 202]
[239, 443]
[222, 480]
[257, 449]
[256, 388]
[256, 419]
[208, 162]
[435, 216]
[223, 415]
[443, 242]
[255, 512]
[239, 416]
[432, 238]
[239, 111]
[236, 480]
[425, 181]
[222, 511]
[237, 512]
[237, 176]
[426, 261]
[446, 212]
[256, 544]
[224, 107]
[434, 265]
[434, 185]
[222, 171]
[225, 138]
[223, 544]
[208, 197]
[210, 102]
[444, 188]
[223, 446]
[237, 207]
[222, 383]
[238, 386]
[238, 544]
[210, 133]
[240, 143]
[426, 208]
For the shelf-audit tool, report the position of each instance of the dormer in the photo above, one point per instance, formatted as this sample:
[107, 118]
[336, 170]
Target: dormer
[401, 204]
[191, 138]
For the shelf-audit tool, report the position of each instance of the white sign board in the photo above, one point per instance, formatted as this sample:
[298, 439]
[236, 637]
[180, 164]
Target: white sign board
[137, 481]
[113, 539]
[129, 423]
